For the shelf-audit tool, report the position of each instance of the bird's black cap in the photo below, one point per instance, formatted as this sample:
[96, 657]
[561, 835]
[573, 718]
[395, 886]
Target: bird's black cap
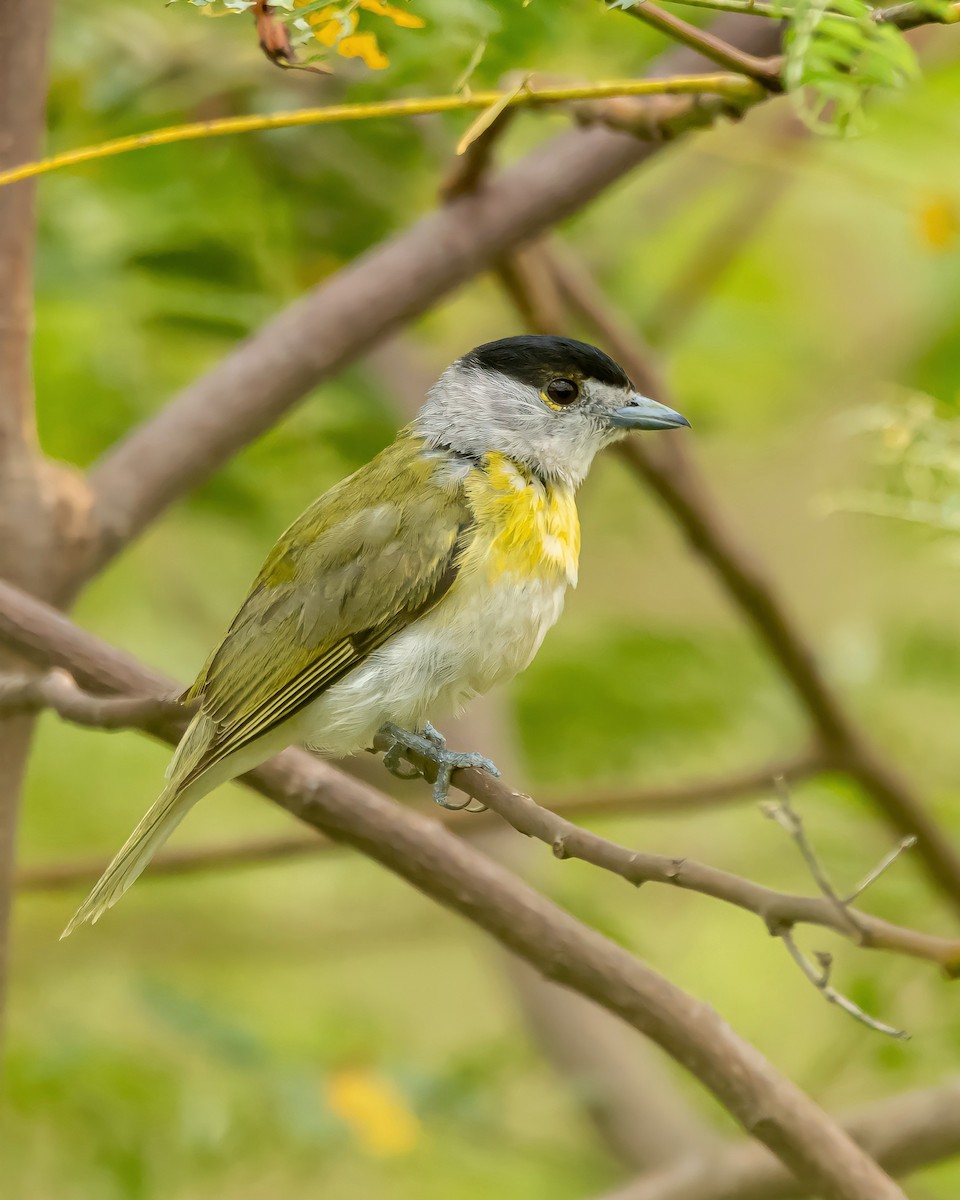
[538, 359]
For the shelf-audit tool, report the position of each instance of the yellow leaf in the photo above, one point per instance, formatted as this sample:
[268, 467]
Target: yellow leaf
[406, 20]
[363, 46]
[940, 223]
[374, 1110]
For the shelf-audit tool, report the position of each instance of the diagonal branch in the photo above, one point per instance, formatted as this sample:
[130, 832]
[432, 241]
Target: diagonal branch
[465, 880]
[765, 71]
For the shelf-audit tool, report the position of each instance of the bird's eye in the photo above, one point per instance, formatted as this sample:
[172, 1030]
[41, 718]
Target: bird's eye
[562, 391]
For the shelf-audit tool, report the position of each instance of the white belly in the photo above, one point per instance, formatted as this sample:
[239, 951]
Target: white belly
[473, 640]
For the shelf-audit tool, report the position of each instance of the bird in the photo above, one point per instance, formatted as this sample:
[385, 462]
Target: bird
[422, 580]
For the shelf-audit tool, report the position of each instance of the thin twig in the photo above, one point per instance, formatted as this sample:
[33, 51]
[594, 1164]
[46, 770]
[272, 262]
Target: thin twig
[747, 8]
[903, 16]
[732, 87]
[884, 864]
[789, 819]
[786, 816]
[765, 71]
[820, 978]
[57, 690]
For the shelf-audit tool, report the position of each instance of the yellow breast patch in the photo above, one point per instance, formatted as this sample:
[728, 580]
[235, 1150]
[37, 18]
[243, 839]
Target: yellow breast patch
[532, 527]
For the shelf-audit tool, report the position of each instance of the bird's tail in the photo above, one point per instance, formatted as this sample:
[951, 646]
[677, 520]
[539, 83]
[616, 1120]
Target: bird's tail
[174, 802]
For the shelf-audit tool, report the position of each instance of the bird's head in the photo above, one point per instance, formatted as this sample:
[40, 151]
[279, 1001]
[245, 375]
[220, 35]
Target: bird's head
[548, 402]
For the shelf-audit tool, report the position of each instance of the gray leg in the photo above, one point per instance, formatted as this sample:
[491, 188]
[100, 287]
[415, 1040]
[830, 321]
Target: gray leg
[433, 747]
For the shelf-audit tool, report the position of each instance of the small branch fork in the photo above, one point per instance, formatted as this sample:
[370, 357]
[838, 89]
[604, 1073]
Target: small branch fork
[786, 816]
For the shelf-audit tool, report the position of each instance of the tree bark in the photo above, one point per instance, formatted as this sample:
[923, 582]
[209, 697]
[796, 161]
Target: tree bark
[42, 505]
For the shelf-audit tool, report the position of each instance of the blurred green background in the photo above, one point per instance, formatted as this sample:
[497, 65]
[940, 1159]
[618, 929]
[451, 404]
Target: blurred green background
[315, 1027]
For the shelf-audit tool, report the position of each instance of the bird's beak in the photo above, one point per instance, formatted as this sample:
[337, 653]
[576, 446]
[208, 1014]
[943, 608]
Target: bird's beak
[643, 413]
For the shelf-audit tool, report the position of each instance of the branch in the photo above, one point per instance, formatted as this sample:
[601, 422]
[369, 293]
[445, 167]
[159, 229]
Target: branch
[729, 87]
[902, 16]
[468, 882]
[24, 30]
[819, 975]
[621, 1082]
[779, 911]
[28, 489]
[671, 473]
[193, 860]
[903, 1133]
[57, 690]
[783, 812]
[260, 851]
[765, 71]
[473, 163]
[48, 639]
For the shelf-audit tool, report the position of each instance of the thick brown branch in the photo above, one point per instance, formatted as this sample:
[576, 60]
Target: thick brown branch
[33, 503]
[903, 1133]
[443, 867]
[24, 30]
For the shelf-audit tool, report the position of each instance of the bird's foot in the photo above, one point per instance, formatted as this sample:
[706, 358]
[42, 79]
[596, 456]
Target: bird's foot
[392, 759]
[433, 747]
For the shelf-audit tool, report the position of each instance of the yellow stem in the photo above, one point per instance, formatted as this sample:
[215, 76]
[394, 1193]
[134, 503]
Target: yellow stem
[734, 86]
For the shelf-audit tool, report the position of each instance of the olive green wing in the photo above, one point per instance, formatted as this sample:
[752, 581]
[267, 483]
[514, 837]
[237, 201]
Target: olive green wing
[365, 560]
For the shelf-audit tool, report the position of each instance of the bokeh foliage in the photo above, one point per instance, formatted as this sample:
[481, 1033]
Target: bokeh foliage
[315, 1027]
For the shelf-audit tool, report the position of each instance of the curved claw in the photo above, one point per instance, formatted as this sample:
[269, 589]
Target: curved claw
[392, 761]
[450, 761]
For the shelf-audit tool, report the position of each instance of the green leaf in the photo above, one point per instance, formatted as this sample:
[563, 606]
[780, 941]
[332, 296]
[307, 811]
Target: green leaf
[836, 55]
